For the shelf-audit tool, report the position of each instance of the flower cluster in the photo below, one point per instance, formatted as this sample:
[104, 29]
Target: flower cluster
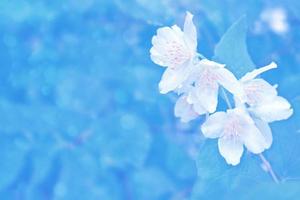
[198, 80]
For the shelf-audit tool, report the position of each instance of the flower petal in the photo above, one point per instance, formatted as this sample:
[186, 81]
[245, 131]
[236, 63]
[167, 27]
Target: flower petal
[173, 78]
[258, 91]
[206, 90]
[256, 72]
[229, 82]
[208, 97]
[190, 31]
[265, 130]
[210, 64]
[231, 149]
[169, 47]
[184, 110]
[166, 33]
[157, 58]
[193, 99]
[241, 114]
[199, 108]
[275, 109]
[213, 126]
[253, 139]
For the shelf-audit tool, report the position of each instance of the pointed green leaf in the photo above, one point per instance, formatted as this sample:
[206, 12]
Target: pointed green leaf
[232, 49]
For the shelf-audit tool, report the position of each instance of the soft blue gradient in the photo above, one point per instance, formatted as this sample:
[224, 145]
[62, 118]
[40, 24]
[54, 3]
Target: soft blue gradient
[81, 117]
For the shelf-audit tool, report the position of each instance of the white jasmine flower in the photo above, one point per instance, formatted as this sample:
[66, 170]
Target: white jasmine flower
[208, 76]
[176, 50]
[262, 97]
[236, 128]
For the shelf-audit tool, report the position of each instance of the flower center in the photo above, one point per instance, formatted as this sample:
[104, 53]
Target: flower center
[232, 128]
[209, 79]
[253, 93]
[177, 53]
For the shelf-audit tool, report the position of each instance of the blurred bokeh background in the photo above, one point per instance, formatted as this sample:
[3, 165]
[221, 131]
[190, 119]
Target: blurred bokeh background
[81, 116]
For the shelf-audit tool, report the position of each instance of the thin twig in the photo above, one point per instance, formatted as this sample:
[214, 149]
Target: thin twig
[226, 98]
[268, 167]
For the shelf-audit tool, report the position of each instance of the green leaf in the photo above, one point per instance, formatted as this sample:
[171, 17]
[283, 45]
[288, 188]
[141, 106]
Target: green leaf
[232, 49]
[217, 179]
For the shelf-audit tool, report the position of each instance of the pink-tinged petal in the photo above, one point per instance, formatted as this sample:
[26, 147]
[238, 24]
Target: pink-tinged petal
[229, 82]
[190, 31]
[253, 139]
[173, 78]
[238, 119]
[258, 91]
[213, 126]
[169, 47]
[275, 109]
[231, 149]
[207, 89]
[240, 113]
[199, 108]
[265, 130]
[184, 110]
[256, 72]
[240, 125]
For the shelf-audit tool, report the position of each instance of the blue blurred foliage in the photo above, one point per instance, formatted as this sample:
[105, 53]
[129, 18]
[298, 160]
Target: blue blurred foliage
[82, 118]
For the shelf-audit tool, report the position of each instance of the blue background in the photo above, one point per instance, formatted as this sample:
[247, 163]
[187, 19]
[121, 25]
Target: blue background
[81, 116]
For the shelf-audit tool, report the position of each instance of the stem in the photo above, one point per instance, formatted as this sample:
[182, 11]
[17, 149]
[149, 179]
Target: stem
[265, 162]
[226, 99]
[268, 167]
[201, 56]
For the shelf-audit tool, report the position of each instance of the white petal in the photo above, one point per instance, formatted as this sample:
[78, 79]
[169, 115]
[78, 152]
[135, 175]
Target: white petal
[229, 82]
[173, 78]
[207, 89]
[169, 47]
[157, 58]
[241, 114]
[166, 33]
[208, 97]
[253, 139]
[265, 130]
[231, 149]
[213, 126]
[187, 87]
[199, 108]
[193, 99]
[256, 72]
[275, 109]
[258, 91]
[184, 110]
[190, 31]
[192, 96]
[210, 64]
[238, 103]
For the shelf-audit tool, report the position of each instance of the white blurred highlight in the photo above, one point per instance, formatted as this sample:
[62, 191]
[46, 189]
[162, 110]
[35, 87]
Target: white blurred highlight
[276, 19]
